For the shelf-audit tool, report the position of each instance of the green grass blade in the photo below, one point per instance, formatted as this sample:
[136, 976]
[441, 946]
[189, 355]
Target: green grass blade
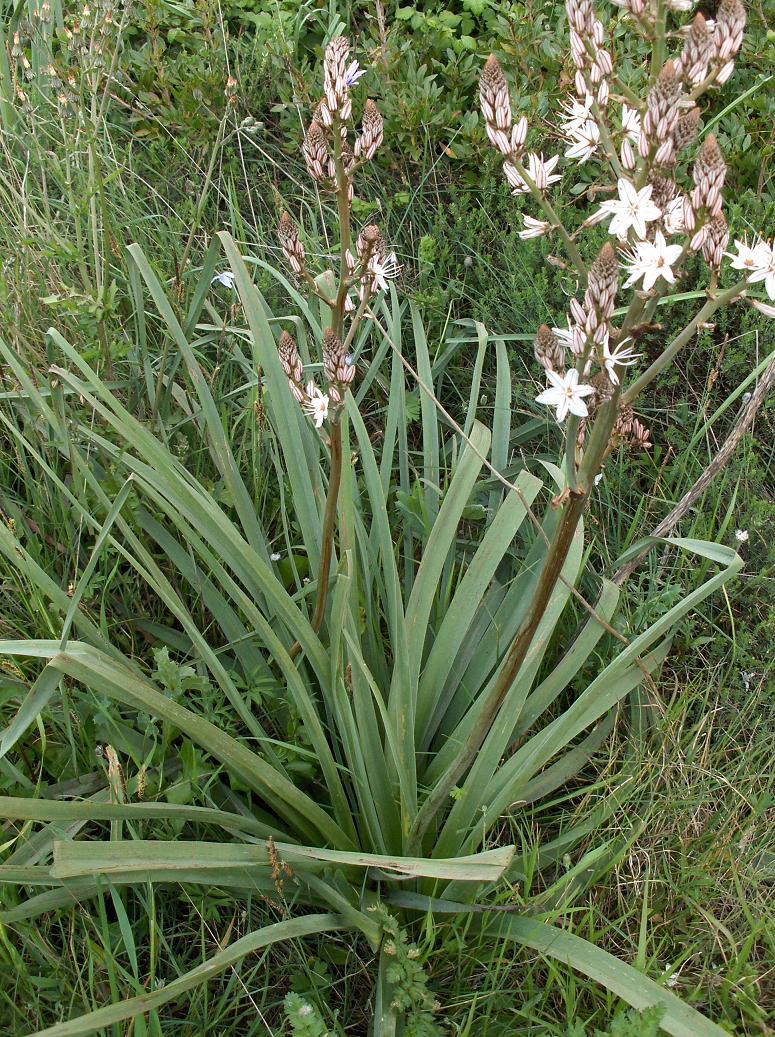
[291, 929]
[117, 681]
[220, 447]
[679, 1019]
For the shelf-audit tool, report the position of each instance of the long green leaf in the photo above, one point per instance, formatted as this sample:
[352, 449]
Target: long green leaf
[628, 983]
[96, 670]
[79, 859]
[289, 425]
[221, 450]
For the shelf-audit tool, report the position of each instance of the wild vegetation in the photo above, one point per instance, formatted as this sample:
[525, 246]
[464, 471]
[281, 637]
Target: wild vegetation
[387, 503]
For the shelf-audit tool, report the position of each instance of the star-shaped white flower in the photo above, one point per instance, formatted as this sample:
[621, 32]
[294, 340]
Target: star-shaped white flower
[622, 355]
[382, 270]
[758, 262]
[673, 216]
[316, 404]
[748, 258]
[566, 394]
[225, 278]
[576, 113]
[631, 209]
[741, 535]
[573, 337]
[652, 261]
[584, 141]
[534, 228]
[538, 169]
[354, 73]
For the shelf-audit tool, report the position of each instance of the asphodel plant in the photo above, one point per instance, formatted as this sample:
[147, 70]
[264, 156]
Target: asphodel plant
[442, 686]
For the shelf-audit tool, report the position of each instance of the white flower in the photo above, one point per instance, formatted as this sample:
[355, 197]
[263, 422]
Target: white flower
[226, 278]
[747, 258]
[354, 73]
[622, 355]
[383, 270]
[316, 404]
[573, 337]
[631, 123]
[566, 394]
[584, 141]
[576, 114]
[673, 216]
[539, 171]
[762, 307]
[534, 228]
[275, 557]
[759, 262]
[598, 478]
[741, 535]
[652, 261]
[631, 209]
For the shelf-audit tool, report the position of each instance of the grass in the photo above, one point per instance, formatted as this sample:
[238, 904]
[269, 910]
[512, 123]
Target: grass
[685, 890]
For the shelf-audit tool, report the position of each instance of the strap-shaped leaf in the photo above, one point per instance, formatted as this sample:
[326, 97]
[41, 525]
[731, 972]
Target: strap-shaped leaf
[119, 682]
[78, 859]
[467, 599]
[289, 424]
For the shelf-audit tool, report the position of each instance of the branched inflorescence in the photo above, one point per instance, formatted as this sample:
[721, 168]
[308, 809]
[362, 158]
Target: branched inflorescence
[666, 203]
[332, 161]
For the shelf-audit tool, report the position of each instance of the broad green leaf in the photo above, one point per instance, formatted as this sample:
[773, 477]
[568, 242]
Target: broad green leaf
[80, 859]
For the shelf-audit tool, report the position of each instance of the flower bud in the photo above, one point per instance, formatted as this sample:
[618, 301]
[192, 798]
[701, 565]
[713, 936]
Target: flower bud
[686, 129]
[716, 241]
[495, 104]
[602, 284]
[548, 350]
[291, 364]
[371, 131]
[730, 25]
[291, 243]
[316, 153]
[709, 173]
[698, 51]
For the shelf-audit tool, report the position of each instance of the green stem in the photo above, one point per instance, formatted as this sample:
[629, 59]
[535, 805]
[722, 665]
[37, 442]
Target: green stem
[329, 526]
[680, 341]
[554, 219]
